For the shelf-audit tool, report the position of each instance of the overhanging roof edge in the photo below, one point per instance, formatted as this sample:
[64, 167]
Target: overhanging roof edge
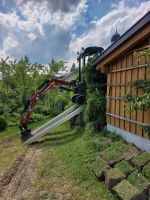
[130, 32]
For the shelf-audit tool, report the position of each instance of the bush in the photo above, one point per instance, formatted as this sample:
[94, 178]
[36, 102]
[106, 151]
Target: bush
[37, 118]
[11, 124]
[42, 109]
[95, 110]
[12, 119]
[3, 124]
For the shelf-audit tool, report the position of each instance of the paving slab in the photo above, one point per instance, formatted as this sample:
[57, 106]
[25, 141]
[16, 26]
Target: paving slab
[146, 171]
[103, 143]
[125, 167]
[115, 152]
[120, 146]
[140, 182]
[113, 176]
[140, 160]
[126, 191]
[98, 167]
[111, 156]
[131, 152]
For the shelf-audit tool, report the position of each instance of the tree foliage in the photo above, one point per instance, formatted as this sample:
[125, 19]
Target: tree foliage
[95, 109]
[19, 79]
[3, 124]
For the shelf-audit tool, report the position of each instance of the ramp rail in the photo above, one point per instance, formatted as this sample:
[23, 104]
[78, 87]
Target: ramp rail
[55, 122]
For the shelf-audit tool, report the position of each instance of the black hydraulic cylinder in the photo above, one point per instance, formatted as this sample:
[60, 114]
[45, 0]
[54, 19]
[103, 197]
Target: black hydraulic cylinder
[79, 68]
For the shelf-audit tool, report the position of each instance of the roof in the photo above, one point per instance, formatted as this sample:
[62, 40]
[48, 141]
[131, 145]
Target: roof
[67, 75]
[129, 33]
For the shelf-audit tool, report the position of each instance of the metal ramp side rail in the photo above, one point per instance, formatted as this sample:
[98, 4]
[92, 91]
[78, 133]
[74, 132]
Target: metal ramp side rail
[55, 119]
[57, 123]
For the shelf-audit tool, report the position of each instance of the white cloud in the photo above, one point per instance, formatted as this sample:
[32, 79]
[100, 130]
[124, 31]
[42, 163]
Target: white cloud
[121, 17]
[52, 12]
[10, 42]
[9, 20]
[46, 29]
[42, 30]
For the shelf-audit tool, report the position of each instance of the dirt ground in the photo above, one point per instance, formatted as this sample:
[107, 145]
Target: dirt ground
[16, 182]
[55, 168]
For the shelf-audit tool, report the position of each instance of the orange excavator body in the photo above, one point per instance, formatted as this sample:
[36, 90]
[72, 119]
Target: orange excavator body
[47, 85]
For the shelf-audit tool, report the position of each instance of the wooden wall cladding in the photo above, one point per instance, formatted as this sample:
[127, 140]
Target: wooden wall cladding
[127, 68]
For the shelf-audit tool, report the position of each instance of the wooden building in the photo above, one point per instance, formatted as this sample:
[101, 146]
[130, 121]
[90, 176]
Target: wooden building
[119, 62]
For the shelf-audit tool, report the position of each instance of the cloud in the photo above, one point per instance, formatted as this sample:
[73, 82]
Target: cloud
[46, 29]
[122, 17]
[54, 6]
[63, 14]
[40, 30]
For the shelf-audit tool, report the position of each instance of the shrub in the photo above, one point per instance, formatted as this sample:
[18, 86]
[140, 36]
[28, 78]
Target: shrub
[3, 124]
[11, 124]
[95, 110]
[36, 117]
[42, 109]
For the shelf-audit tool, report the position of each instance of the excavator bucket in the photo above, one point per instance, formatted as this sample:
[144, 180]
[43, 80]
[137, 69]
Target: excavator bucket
[26, 135]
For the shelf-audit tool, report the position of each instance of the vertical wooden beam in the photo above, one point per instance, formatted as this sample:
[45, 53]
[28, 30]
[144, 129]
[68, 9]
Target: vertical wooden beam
[127, 90]
[147, 112]
[141, 75]
[113, 94]
[108, 104]
[117, 87]
[134, 92]
[123, 80]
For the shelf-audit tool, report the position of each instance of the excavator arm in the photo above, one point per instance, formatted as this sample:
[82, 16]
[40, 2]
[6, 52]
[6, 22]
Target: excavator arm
[79, 98]
[47, 85]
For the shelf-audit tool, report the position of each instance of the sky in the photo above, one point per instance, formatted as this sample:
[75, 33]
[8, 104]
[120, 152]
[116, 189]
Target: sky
[57, 29]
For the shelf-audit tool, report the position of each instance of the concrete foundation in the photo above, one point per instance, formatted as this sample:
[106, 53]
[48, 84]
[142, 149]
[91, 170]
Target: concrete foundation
[130, 137]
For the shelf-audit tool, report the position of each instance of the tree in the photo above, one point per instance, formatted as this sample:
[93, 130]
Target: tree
[19, 79]
[73, 68]
[95, 108]
[55, 67]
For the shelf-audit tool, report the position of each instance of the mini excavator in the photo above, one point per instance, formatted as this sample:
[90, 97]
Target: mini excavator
[79, 98]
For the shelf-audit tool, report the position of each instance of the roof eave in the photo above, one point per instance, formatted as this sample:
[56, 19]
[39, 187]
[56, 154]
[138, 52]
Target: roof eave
[129, 33]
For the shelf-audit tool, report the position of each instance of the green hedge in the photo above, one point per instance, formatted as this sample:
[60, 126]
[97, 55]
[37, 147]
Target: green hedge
[3, 124]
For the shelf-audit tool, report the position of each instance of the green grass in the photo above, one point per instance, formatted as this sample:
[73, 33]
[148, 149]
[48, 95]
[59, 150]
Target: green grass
[125, 167]
[9, 131]
[146, 171]
[98, 167]
[115, 152]
[138, 180]
[16, 131]
[67, 157]
[115, 173]
[11, 146]
[125, 190]
[140, 160]
[103, 143]
[64, 167]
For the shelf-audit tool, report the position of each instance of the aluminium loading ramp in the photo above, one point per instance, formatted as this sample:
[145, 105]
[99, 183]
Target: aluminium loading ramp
[55, 122]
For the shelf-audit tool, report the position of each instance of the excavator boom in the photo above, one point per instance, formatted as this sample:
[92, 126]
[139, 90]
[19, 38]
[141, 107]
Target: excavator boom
[47, 85]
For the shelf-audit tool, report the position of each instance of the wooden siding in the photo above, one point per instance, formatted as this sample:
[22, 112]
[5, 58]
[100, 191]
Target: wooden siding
[126, 68]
